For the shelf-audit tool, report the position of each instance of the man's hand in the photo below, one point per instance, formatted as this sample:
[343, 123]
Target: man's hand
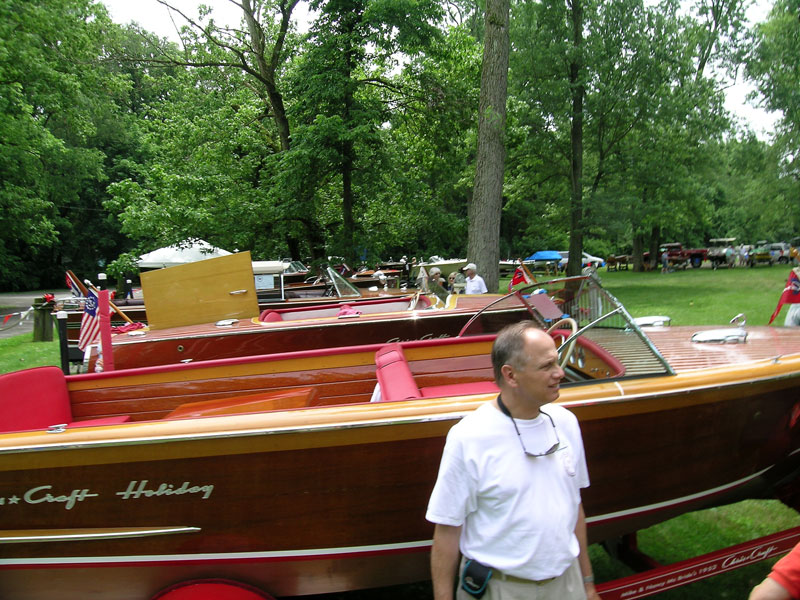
[591, 592]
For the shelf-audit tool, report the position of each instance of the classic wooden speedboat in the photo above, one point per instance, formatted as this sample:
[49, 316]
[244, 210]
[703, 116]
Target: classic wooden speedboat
[271, 294]
[379, 320]
[278, 471]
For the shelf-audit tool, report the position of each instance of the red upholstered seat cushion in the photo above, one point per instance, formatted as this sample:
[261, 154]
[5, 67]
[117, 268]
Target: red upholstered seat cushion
[394, 375]
[460, 389]
[270, 316]
[33, 399]
[38, 398]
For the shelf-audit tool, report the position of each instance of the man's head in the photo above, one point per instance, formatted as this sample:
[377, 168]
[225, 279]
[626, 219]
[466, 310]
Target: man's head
[471, 270]
[525, 363]
[435, 272]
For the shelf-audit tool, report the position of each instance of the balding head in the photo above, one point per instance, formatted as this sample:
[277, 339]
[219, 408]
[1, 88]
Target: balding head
[509, 346]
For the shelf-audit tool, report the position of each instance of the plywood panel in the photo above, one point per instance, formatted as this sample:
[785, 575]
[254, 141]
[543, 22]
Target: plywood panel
[201, 292]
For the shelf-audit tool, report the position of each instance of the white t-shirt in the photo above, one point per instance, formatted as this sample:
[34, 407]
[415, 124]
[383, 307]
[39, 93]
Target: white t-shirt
[476, 285]
[518, 512]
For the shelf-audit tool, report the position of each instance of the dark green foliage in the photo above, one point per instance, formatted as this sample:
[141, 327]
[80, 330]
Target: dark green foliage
[359, 139]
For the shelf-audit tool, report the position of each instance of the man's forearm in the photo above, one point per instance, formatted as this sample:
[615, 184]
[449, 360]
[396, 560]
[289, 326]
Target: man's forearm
[444, 560]
[583, 557]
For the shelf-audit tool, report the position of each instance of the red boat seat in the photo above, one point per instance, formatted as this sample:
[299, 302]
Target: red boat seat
[394, 375]
[460, 389]
[38, 398]
[270, 316]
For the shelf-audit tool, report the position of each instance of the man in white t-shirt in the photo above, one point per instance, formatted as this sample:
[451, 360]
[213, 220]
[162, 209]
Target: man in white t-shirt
[507, 498]
[475, 283]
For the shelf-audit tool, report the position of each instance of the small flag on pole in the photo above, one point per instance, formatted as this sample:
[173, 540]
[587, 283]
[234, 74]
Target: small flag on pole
[520, 276]
[90, 323]
[791, 293]
[73, 285]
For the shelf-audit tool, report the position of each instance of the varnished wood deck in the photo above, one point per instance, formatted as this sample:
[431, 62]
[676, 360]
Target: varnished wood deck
[684, 355]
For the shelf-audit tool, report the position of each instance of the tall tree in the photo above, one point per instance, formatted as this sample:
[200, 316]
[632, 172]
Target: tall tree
[57, 100]
[486, 204]
[773, 67]
[343, 90]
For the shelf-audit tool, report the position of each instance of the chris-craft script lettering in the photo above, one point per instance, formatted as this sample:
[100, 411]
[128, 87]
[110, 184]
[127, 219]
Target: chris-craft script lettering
[140, 489]
[41, 494]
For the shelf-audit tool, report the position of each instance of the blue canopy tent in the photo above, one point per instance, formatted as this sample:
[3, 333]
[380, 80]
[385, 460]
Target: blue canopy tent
[544, 255]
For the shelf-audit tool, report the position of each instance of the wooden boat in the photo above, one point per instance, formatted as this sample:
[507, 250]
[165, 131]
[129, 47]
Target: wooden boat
[279, 472]
[380, 320]
[225, 324]
[270, 289]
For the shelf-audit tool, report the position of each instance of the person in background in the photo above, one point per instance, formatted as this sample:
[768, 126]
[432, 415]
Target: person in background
[783, 583]
[451, 281]
[664, 262]
[475, 283]
[435, 275]
[507, 503]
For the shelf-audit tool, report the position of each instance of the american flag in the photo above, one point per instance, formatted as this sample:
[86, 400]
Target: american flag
[90, 324]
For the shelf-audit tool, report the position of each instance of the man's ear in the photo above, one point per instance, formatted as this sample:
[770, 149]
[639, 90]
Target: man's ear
[508, 375]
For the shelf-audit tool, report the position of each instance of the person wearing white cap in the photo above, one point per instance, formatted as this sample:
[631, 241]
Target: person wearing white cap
[436, 276]
[475, 283]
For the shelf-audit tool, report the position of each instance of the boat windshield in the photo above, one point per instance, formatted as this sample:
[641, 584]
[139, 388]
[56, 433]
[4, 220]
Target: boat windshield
[296, 266]
[599, 318]
[343, 288]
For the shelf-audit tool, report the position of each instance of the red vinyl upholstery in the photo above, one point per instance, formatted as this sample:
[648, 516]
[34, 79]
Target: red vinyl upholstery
[394, 375]
[460, 389]
[38, 398]
[270, 316]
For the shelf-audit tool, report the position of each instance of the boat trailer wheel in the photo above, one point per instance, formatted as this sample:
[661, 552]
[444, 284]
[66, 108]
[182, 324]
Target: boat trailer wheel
[211, 589]
[567, 354]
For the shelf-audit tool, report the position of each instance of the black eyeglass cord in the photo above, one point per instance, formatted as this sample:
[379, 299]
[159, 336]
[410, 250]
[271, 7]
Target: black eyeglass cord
[506, 412]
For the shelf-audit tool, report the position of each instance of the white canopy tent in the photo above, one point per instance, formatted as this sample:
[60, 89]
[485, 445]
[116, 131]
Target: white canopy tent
[180, 254]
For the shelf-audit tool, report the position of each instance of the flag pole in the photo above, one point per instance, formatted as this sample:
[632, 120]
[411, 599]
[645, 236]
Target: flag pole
[103, 303]
[527, 272]
[110, 305]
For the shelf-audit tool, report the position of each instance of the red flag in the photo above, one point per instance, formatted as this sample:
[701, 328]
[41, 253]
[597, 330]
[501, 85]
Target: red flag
[791, 293]
[90, 323]
[520, 276]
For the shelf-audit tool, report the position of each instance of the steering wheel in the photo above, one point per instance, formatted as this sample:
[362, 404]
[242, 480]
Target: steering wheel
[565, 356]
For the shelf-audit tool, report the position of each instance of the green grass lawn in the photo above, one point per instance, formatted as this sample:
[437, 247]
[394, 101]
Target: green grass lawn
[690, 297]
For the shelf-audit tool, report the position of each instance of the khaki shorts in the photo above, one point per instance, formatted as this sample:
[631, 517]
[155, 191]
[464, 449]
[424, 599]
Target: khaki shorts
[568, 586]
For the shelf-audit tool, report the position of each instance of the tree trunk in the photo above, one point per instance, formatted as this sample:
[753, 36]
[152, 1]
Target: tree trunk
[576, 136]
[267, 67]
[485, 209]
[638, 252]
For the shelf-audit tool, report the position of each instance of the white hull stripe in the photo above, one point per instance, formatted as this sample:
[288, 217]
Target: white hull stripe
[675, 501]
[333, 553]
[319, 553]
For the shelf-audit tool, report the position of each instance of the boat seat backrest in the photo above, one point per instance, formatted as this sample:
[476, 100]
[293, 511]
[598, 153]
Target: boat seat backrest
[394, 375]
[33, 399]
[38, 398]
[270, 316]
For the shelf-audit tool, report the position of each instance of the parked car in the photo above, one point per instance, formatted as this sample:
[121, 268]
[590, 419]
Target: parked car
[718, 252]
[678, 256]
[780, 252]
[588, 260]
[761, 253]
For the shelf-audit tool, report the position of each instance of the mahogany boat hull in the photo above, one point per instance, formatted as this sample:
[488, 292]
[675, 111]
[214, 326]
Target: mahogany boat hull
[332, 496]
